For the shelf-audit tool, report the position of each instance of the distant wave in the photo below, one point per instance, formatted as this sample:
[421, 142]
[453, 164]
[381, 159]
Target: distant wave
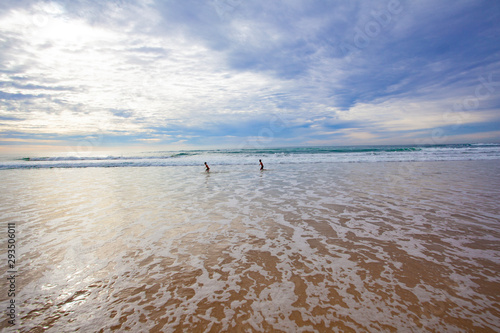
[288, 155]
[99, 158]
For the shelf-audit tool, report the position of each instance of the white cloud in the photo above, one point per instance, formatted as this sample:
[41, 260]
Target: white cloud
[165, 71]
[156, 78]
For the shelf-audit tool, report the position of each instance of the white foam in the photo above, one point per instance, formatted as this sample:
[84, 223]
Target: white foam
[331, 244]
[270, 157]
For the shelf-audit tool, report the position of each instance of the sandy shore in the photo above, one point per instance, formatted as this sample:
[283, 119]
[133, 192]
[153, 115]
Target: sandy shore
[361, 247]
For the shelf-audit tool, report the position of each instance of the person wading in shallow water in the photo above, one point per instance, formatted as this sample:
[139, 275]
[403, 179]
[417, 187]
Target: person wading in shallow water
[261, 165]
[207, 168]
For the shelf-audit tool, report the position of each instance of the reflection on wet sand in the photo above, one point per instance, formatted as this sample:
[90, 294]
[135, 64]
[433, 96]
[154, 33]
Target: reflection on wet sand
[342, 248]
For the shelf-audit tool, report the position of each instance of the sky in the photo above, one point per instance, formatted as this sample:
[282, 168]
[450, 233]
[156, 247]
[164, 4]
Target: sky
[92, 74]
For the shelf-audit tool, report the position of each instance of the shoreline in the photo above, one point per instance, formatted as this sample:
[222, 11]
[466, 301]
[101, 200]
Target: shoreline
[347, 246]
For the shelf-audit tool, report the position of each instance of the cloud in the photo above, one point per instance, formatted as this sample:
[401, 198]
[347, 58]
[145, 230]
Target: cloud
[223, 71]
[8, 96]
[10, 118]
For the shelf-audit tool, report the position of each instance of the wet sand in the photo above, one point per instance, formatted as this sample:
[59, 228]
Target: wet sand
[341, 247]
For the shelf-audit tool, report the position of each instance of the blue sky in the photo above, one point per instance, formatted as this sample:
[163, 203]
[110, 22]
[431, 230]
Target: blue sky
[233, 73]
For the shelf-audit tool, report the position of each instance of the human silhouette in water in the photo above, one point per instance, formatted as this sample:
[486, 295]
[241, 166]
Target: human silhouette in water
[207, 168]
[261, 165]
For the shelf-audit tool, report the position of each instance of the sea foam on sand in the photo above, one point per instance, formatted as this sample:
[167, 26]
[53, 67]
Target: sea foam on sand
[326, 247]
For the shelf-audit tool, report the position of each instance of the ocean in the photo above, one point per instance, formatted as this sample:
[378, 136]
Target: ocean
[292, 155]
[324, 239]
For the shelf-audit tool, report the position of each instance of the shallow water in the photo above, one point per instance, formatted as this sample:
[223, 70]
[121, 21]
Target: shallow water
[338, 247]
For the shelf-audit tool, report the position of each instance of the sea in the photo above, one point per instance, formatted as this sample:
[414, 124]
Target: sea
[323, 239]
[238, 157]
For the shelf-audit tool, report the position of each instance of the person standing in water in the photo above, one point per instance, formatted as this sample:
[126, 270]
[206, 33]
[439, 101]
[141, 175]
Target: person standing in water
[207, 168]
[261, 165]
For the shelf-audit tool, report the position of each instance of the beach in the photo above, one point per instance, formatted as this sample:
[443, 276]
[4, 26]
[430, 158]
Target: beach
[305, 247]
[230, 166]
